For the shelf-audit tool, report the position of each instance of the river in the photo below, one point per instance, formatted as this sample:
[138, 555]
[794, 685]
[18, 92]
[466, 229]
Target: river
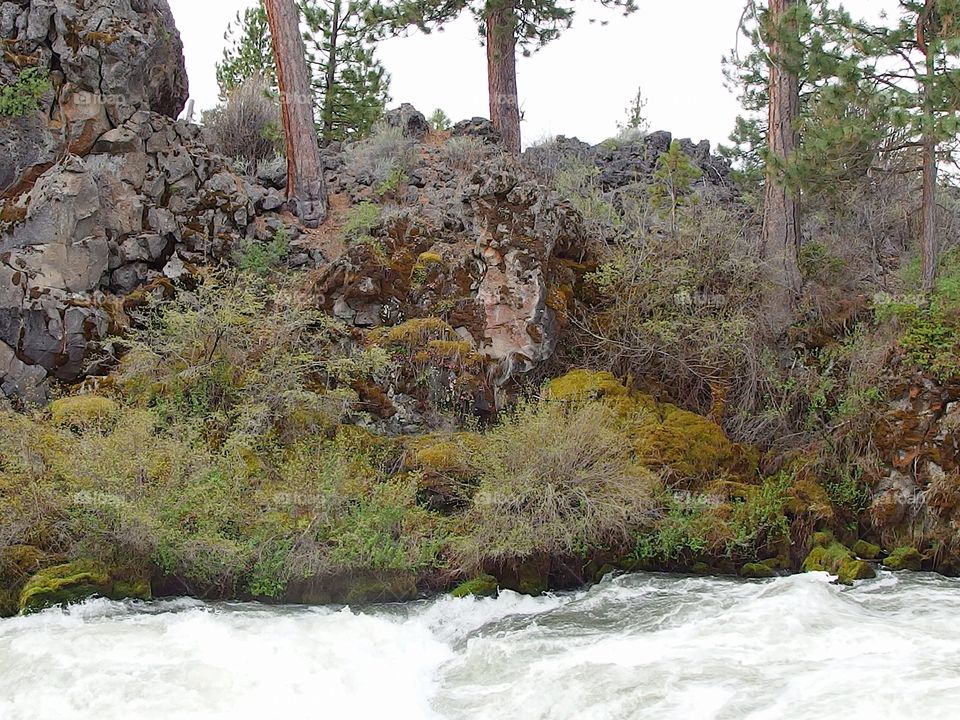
[635, 646]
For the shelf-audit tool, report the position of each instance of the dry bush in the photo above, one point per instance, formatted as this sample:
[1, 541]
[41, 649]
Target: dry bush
[385, 154]
[464, 153]
[247, 126]
[555, 479]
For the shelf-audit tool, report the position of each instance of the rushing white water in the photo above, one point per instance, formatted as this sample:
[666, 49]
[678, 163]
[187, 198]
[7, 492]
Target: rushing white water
[637, 646]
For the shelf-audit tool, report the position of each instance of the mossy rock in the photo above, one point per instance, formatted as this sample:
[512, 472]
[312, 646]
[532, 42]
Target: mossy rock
[586, 385]
[904, 558]
[664, 435]
[701, 568]
[757, 571]
[480, 586]
[776, 563]
[866, 550]
[80, 412]
[851, 570]
[837, 559]
[75, 582]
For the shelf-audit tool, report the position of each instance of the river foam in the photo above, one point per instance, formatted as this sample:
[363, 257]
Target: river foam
[636, 646]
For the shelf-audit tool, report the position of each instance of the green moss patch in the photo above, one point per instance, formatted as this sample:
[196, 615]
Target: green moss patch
[904, 558]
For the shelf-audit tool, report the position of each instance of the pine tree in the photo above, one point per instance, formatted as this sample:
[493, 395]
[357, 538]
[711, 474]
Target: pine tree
[349, 85]
[781, 203]
[306, 189]
[248, 53]
[506, 26]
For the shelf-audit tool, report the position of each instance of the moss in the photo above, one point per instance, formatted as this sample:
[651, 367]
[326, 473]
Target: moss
[822, 539]
[757, 570]
[64, 584]
[664, 435]
[445, 453]
[480, 586]
[77, 581]
[701, 568]
[414, 333]
[84, 411]
[866, 550]
[904, 558]
[586, 385]
[837, 559]
[851, 570]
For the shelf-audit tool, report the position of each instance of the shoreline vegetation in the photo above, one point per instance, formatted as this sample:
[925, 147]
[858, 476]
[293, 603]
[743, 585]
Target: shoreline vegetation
[227, 458]
[428, 362]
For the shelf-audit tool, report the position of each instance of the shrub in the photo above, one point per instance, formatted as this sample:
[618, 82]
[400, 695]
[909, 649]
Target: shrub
[555, 479]
[247, 125]
[385, 152]
[23, 95]
[360, 222]
[262, 258]
[465, 152]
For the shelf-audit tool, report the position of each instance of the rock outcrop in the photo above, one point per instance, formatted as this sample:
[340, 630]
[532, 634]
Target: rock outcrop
[103, 191]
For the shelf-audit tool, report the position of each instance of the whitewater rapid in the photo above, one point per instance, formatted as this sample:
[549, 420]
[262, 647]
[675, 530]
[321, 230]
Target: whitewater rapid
[636, 646]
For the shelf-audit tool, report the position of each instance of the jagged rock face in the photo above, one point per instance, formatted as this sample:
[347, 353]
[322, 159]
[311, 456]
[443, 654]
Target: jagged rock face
[622, 164]
[915, 498]
[106, 59]
[478, 246]
[101, 190]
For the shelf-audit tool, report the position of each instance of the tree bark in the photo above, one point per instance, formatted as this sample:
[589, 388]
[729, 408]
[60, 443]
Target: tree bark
[327, 119]
[781, 206]
[502, 72]
[928, 214]
[306, 190]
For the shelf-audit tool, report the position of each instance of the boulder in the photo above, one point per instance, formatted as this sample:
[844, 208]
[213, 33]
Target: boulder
[411, 121]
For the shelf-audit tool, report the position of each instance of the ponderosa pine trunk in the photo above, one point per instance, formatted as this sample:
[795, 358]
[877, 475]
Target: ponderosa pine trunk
[502, 72]
[928, 214]
[781, 206]
[328, 99]
[305, 186]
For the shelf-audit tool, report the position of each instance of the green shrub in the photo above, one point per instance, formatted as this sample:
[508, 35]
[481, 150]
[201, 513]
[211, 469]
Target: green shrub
[263, 258]
[360, 222]
[24, 94]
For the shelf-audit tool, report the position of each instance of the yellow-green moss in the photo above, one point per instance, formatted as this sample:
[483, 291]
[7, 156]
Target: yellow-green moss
[664, 435]
[866, 550]
[64, 584]
[445, 453]
[413, 333]
[586, 385]
[833, 557]
[84, 411]
[904, 558]
[481, 586]
[756, 571]
[77, 581]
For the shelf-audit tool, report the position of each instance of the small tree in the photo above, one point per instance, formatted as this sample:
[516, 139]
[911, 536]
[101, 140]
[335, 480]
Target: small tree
[637, 121]
[673, 180]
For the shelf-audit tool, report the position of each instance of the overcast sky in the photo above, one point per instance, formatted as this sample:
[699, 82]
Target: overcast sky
[579, 85]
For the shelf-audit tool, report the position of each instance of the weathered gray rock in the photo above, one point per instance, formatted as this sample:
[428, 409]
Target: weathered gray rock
[477, 127]
[411, 121]
[107, 59]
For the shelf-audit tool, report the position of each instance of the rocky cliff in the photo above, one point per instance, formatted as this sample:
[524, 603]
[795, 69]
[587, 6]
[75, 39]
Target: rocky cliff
[103, 190]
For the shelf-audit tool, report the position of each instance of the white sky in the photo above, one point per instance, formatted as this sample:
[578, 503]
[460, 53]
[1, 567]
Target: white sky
[579, 85]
